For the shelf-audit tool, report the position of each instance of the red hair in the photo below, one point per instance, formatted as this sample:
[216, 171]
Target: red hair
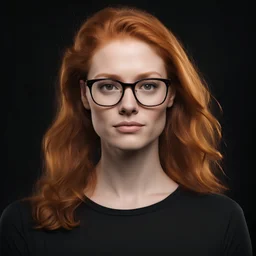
[188, 146]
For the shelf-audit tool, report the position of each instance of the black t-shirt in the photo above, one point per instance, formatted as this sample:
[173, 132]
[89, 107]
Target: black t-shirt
[184, 223]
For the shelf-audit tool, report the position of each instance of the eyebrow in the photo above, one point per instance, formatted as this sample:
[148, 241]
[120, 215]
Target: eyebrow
[114, 76]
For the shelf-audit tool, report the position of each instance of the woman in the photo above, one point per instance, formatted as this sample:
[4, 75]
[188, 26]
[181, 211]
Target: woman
[129, 93]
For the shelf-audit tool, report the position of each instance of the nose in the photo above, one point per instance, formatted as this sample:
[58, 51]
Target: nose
[128, 102]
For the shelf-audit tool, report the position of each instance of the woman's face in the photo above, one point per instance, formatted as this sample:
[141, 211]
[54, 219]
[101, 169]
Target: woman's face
[127, 59]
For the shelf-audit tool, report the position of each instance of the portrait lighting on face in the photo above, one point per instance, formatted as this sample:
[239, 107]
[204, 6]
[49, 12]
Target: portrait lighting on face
[131, 159]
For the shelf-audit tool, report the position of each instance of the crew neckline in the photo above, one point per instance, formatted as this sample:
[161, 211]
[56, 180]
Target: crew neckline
[136, 211]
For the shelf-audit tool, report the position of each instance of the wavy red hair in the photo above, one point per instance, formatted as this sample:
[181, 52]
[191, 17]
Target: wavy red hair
[188, 146]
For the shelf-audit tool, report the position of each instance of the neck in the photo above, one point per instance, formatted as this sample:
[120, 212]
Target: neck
[131, 174]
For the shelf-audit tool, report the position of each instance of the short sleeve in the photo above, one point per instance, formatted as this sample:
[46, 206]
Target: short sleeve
[237, 241]
[12, 236]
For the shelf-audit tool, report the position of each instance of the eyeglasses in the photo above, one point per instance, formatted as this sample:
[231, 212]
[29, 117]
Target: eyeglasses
[149, 92]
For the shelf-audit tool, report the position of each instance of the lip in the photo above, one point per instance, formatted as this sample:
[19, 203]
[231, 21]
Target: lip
[128, 124]
[128, 128]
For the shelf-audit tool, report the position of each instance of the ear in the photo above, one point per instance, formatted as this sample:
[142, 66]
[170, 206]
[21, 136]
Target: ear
[171, 97]
[83, 95]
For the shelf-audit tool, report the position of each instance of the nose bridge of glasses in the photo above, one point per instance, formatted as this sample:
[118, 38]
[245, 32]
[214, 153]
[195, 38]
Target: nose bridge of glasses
[129, 86]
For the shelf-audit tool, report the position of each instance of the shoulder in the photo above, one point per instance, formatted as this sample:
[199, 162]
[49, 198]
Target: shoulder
[221, 215]
[16, 207]
[15, 223]
[222, 201]
[217, 204]
[15, 213]
[219, 211]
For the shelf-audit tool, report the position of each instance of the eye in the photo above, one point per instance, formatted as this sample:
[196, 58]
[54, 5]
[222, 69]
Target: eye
[108, 86]
[149, 86]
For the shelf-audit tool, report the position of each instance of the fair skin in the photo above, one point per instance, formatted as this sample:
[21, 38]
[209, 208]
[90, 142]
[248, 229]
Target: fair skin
[129, 174]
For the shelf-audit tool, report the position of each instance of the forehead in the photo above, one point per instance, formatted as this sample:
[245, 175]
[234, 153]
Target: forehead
[126, 57]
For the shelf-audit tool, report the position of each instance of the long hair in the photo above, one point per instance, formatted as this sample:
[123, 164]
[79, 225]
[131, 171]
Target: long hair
[188, 145]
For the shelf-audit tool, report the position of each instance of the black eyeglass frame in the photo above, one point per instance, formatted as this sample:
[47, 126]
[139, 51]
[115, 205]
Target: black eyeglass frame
[90, 83]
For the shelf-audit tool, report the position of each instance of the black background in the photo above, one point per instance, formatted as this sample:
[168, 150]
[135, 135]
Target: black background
[218, 36]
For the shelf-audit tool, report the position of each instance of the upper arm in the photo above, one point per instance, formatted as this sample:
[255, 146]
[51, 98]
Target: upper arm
[237, 239]
[12, 235]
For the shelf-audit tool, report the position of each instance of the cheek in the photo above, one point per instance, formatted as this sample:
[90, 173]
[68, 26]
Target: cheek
[99, 121]
[160, 121]
[102, 121]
